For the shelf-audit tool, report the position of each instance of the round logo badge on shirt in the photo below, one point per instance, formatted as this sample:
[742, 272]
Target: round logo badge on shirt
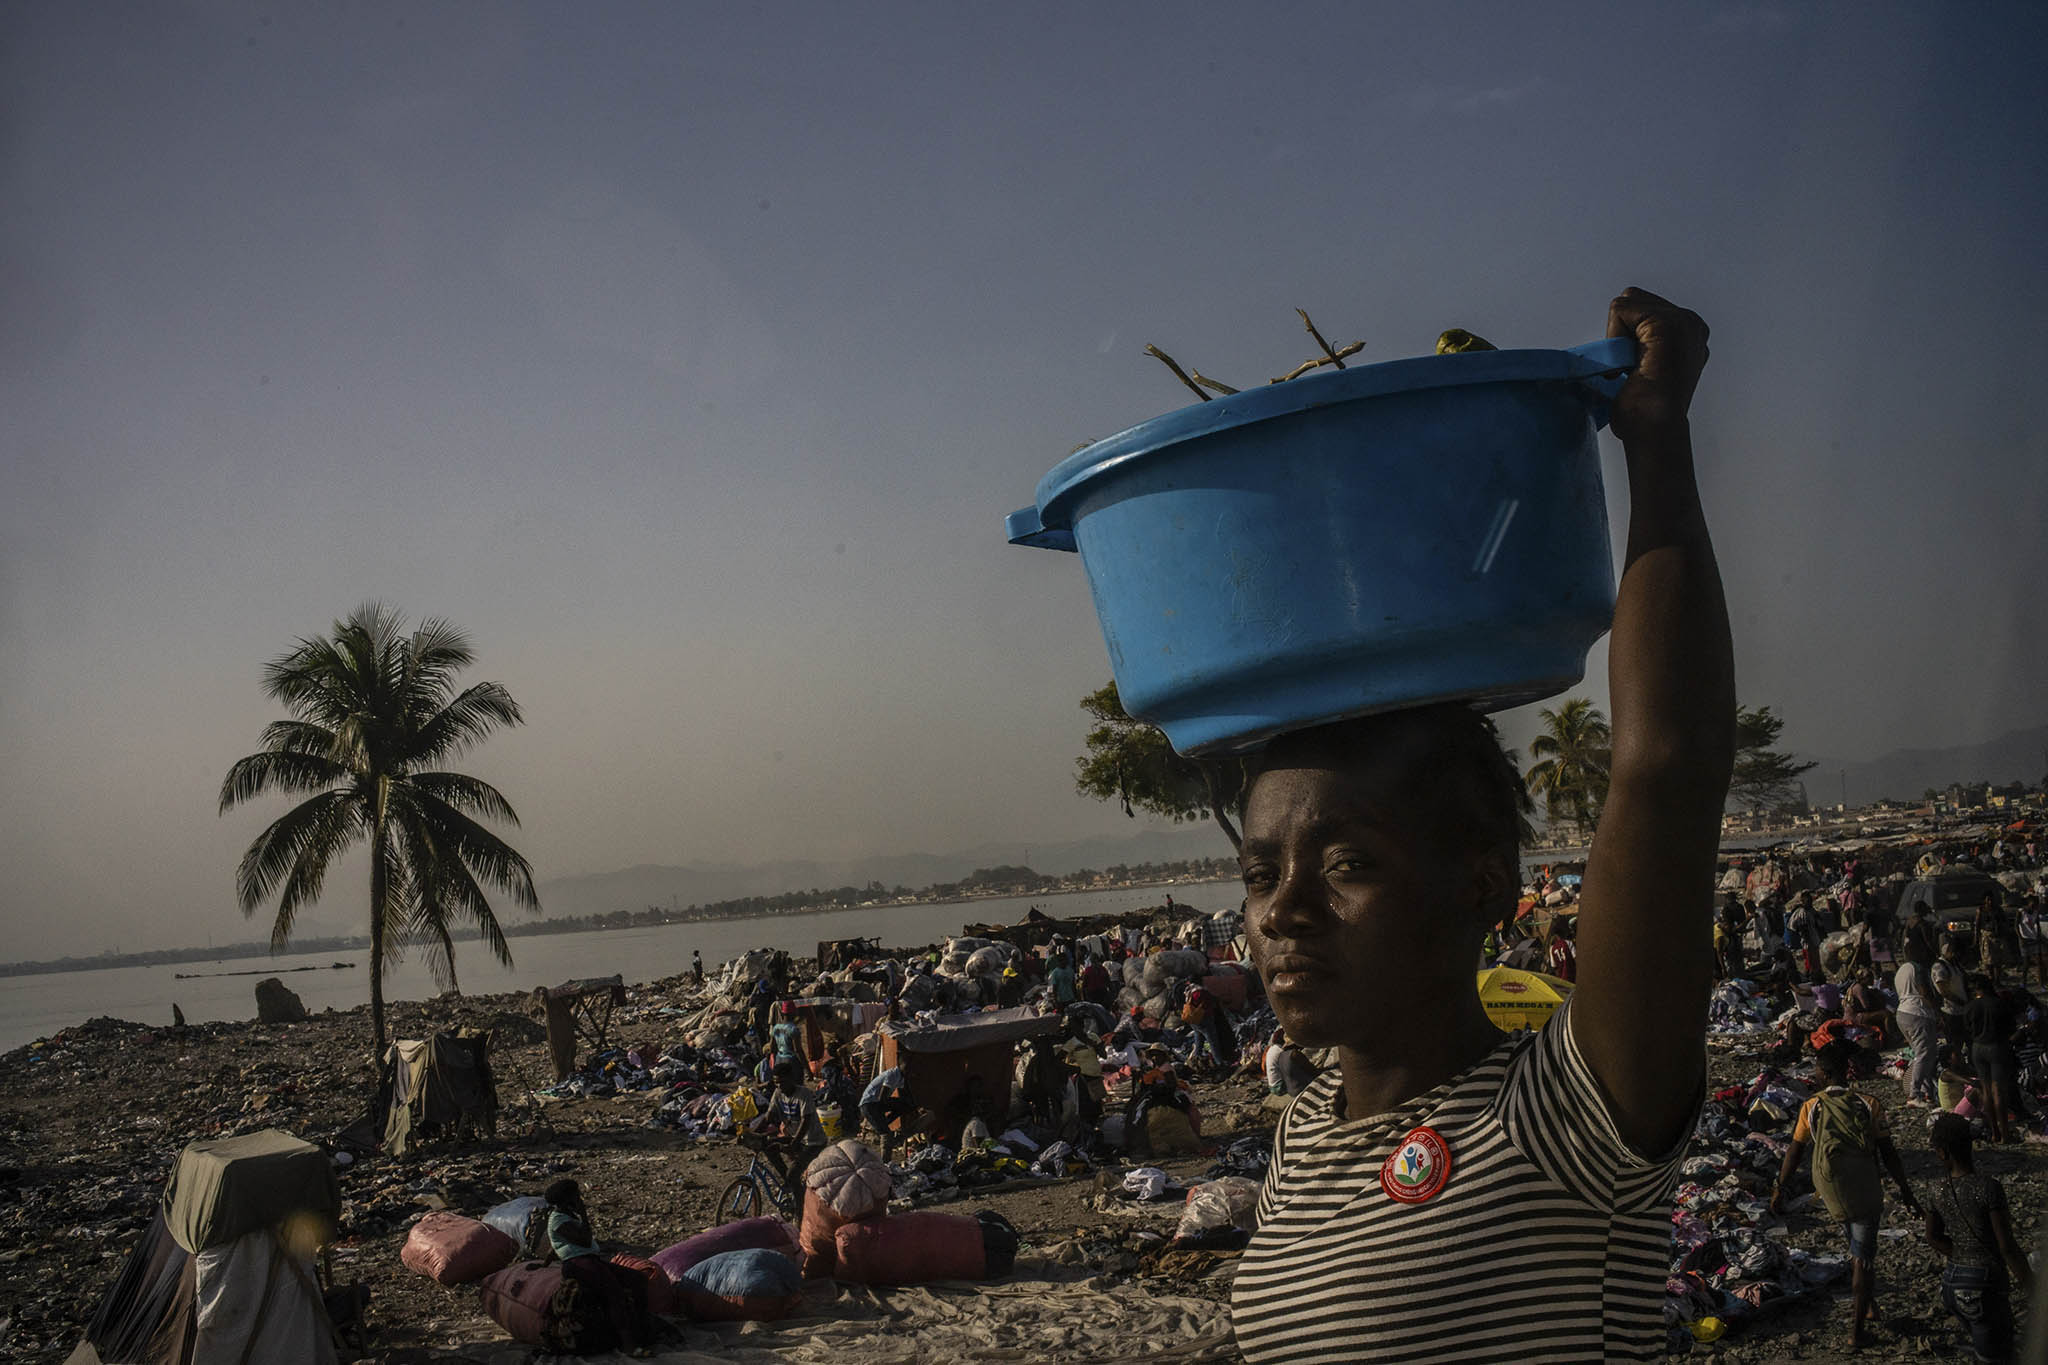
[1419, 1168]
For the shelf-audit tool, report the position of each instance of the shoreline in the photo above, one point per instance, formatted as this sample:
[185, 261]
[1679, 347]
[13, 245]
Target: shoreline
[241, 952]
[1732, 842]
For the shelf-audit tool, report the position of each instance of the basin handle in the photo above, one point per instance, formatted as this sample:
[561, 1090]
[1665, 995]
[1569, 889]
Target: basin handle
[1023, 527]
[1601, 368]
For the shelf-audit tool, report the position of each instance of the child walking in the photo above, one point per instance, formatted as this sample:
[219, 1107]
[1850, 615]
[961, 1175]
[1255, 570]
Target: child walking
[1967, 1223]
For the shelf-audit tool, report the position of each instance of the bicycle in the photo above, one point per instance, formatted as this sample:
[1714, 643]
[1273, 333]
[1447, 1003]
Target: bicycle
[761, 1183]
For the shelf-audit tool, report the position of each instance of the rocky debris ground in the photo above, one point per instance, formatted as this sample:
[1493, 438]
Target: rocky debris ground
[91, 1122]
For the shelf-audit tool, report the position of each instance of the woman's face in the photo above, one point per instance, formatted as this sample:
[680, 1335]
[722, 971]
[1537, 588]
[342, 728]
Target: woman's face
[1357, 924]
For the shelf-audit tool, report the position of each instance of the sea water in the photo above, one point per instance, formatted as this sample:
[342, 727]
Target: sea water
[33, 1007]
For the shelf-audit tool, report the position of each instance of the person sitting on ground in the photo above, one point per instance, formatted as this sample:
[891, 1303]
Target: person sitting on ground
[970, 1106]
[1783, 974]
[1865, 1007]
[1989, 1022]
[1135, 1029]
[1968, 1224]
[1375, 851]
[612, 1299]
[1846, 1130]
[836, 1084]
[1159, 1084]
[1288, 1069]
[1790, 1047]
[1010, 988]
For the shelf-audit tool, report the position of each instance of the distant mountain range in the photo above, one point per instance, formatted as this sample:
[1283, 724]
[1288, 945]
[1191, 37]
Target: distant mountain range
[2016, 756]
[1903, 773]
[701, 883]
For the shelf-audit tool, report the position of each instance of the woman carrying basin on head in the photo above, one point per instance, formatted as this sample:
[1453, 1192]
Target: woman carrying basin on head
[1445, 1191]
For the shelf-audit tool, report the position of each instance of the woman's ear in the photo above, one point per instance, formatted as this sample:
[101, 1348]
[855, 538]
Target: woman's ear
[1495, 881]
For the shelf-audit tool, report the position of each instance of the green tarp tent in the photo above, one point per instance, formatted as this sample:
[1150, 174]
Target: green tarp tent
[220, 1190]
[223, 1274]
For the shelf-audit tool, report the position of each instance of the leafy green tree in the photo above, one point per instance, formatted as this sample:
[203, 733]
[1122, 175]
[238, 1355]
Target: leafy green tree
[1571, 771]
[371, 714]
[1765, 777]
[1130, 761]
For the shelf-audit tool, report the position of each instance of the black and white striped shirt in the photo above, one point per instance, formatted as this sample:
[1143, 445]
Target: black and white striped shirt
[1549, 1242]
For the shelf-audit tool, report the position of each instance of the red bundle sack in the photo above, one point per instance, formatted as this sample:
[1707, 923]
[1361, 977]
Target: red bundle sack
[661, 1291]
[817, 1254]
[845, 1183]
[517, 1298]
[450, 1249]
[911, 1248]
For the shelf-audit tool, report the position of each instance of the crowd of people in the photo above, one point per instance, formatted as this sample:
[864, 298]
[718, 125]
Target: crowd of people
[1136, 1026]
[1913, 960]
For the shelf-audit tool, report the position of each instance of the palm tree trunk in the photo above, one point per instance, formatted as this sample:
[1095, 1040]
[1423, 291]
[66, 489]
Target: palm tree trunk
[380, 889]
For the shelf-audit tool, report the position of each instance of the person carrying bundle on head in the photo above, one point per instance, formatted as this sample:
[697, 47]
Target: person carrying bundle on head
[1375, 853]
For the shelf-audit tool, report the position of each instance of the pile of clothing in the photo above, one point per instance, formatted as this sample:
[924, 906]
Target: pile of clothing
[695, 1113]
[1736, 1007]
[611, 1072]
[685, 1072]
[936, 1172]
[1248, 1157]
[1731, 1257]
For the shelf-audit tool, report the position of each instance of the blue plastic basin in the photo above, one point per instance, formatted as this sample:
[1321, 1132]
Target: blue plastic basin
[1350, 542]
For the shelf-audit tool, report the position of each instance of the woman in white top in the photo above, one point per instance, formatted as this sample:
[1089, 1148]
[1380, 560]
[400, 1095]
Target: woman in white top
[1919, 1015]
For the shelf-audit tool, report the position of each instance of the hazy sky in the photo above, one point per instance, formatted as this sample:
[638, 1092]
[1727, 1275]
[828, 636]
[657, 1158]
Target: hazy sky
[689, 357]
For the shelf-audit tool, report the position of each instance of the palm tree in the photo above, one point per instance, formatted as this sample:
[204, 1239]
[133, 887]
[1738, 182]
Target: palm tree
[372, 713]
[1573, 752]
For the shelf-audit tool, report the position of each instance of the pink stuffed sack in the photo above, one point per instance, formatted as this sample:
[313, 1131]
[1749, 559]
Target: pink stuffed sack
[748, 1234]
[450, 1249]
